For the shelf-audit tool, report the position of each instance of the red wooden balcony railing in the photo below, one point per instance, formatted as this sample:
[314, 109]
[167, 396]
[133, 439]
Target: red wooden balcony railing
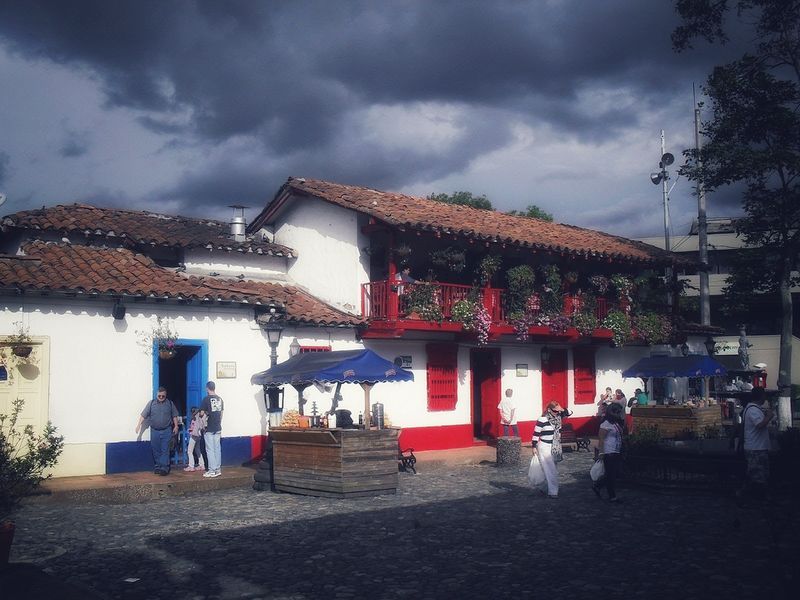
[391, 300]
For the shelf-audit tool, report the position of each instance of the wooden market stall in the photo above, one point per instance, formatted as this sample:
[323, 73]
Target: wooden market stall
[674, 420]
[338, 462]
[342, 463]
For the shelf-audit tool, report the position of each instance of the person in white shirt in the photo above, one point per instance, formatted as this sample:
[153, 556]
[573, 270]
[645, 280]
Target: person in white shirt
[508, 413]
[756, 446]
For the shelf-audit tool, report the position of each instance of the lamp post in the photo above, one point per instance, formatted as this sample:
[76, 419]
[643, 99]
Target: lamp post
[273, 395]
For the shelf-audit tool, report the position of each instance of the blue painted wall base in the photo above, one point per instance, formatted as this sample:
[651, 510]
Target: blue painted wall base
[133, 457]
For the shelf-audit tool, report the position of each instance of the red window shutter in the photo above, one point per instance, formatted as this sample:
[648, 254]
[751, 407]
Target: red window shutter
[442, 376]
[585, 377]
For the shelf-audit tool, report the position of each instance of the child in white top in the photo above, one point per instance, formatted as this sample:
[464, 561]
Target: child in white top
[196, 427]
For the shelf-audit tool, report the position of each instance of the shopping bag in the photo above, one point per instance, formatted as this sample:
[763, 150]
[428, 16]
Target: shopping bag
[597, 471]
[536, 472]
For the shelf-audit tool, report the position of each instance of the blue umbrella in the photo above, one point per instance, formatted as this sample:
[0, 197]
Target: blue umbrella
[696, 365]
[341, 366]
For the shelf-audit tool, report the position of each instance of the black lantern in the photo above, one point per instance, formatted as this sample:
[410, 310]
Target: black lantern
[711, 346]
[294, 348]
[273, 330]
[545, 354]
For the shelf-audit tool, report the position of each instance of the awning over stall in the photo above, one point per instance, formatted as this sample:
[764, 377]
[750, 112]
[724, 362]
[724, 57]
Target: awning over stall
[345, 366]
[675, 366]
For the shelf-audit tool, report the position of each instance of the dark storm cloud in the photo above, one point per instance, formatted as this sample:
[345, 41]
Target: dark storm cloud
[294, 80]
[75, 144]
[290, 70]
[5, 160]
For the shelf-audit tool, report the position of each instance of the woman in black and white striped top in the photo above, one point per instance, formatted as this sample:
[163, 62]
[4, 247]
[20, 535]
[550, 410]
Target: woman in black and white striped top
[547, 443]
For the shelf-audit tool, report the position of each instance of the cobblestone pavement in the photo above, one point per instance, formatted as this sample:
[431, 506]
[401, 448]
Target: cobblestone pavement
[460, 532]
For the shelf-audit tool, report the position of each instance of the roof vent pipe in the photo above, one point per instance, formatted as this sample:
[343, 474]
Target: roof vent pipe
[238, 223]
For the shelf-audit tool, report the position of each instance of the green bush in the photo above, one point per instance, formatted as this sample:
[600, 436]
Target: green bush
[24, 458]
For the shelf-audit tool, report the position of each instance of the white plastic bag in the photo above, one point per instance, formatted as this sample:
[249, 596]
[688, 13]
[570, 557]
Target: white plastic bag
[535, 472]
[597, 471]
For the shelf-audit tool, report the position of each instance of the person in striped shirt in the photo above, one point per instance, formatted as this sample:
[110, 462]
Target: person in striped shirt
[547, 443]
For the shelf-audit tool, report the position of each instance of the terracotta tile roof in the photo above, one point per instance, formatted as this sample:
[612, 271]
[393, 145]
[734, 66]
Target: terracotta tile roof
[49, 267]
[414, 213]
[139, 228]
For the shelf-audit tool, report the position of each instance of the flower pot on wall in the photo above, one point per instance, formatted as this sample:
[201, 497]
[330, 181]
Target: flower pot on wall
[166, 354]
[22, 351]
[6, 538]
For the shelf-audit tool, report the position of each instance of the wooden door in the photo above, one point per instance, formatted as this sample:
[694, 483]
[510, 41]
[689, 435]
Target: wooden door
[485, 364]
[27, 380]
[554, 378]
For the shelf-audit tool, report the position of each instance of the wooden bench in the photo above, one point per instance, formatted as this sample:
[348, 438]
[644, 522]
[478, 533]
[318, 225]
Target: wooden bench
[568, 436]
[407, 460]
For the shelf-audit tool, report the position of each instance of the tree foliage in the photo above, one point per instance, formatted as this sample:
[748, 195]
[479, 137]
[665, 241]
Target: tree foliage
[463, 199]
[533, 211]
[753, 136]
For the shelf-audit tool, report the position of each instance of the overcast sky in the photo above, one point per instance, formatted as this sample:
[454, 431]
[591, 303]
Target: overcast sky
[189, 106]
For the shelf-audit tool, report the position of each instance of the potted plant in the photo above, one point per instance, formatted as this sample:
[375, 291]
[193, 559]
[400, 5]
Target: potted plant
[620, 325]
[25, 456]
[162, 337]
[463, 312]
[488, 267]
[423, 300]
[20, 342]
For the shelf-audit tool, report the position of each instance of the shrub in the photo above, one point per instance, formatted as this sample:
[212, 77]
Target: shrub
[24, 458]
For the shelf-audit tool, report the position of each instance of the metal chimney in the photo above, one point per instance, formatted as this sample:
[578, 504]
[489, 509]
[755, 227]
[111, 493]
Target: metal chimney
[238, 223]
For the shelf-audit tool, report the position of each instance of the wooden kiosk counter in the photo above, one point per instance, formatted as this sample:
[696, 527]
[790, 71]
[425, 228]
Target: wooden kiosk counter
[674, 420]
[340, 463]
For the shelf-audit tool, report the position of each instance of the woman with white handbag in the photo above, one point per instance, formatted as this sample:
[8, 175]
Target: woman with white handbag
[612, 430]
[547, 445]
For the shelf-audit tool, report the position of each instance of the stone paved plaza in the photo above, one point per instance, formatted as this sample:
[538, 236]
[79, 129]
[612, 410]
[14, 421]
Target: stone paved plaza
[457, 532]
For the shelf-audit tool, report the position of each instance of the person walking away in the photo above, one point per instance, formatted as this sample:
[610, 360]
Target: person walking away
[612, 430]
[547, 443]
[213, 406]
[756, 446]
[196, 427]
[508, 413]
[163, 418]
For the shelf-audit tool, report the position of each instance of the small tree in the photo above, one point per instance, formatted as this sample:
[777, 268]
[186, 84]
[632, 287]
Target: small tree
[463, 199]
[25, 456]
[533, 212]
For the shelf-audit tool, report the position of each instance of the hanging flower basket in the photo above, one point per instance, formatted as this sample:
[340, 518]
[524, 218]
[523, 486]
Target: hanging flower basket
[22, 351]
[166, 353]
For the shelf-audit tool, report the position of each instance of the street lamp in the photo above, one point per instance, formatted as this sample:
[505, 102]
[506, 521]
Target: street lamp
[294, 348]
[273, 395]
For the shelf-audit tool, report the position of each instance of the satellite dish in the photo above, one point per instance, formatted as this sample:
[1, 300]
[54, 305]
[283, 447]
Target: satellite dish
[655, 178]
[3, 198]
[667, 159]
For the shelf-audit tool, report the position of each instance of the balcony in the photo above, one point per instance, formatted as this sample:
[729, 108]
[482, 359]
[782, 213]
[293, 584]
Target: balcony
[391, 306]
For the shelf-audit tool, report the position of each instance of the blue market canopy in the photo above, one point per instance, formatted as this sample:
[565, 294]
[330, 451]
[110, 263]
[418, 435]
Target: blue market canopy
[345, 366]
[675, 366]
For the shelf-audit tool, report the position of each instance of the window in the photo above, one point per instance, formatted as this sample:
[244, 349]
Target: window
[304, 349]
[583, 368]
[442, 376]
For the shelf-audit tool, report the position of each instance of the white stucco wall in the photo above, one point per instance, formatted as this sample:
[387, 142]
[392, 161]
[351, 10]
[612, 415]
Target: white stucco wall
[202, 261]
[101, 375]
[328, 241]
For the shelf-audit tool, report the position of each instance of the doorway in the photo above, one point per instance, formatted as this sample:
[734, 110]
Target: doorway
[485, 368]
[184, 376]
[554, 377]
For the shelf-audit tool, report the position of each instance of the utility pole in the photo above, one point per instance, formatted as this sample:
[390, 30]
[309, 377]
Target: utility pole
[702, 229]
[665, 192]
